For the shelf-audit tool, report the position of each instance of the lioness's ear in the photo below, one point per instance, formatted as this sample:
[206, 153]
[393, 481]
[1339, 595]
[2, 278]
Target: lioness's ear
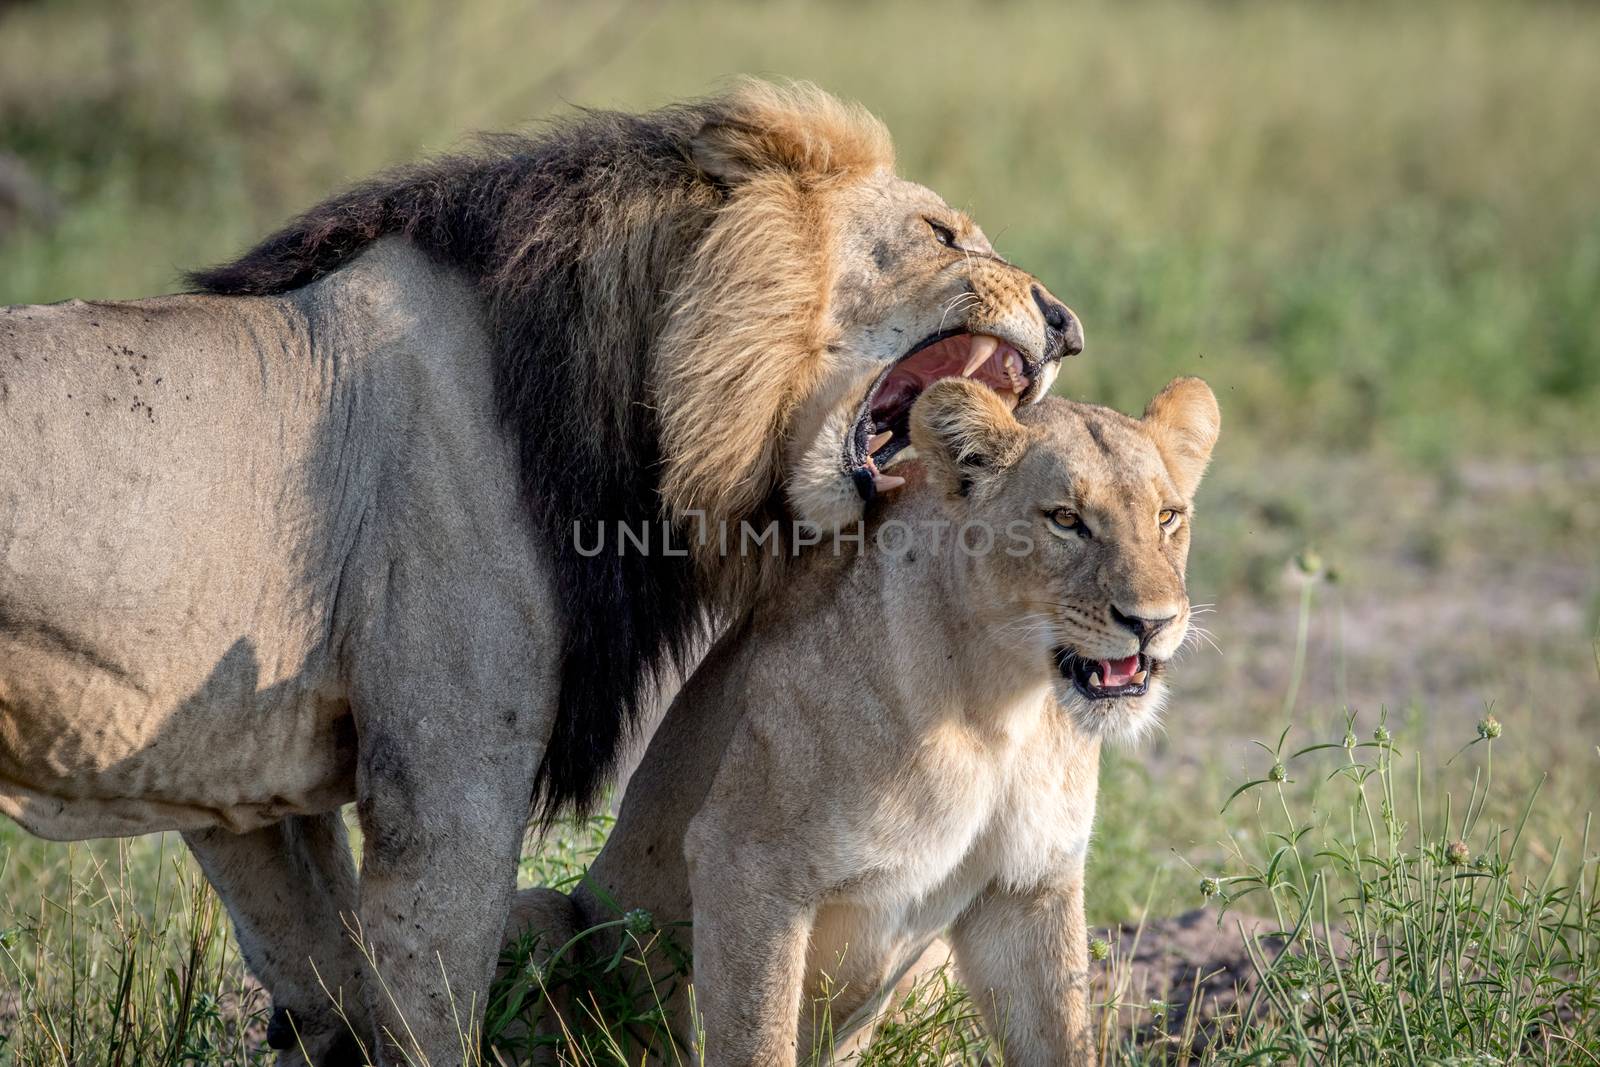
[1184, 420]
[965, 436]
[798, 129]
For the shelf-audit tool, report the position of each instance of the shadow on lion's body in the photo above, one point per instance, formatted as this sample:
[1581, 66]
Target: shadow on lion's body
[307, 538]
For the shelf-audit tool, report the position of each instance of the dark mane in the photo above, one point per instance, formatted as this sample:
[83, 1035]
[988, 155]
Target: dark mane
[574, 241]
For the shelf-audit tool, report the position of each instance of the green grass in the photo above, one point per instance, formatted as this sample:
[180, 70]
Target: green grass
[1375, 229]
[1427, 929]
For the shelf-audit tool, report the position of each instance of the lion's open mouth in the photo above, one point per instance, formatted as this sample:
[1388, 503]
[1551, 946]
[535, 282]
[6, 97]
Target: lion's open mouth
[886, 409]
[1106, 679]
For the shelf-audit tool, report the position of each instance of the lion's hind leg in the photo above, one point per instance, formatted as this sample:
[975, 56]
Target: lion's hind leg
[288, 888]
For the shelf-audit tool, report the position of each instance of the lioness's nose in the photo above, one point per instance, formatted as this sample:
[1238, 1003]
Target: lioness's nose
[1143, 627]
[1063, 331]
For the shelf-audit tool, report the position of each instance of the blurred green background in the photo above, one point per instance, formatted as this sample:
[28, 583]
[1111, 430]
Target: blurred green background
[1379, 225]
[1375, 229]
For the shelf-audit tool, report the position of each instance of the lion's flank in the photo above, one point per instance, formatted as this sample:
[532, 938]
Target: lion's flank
[656, 288]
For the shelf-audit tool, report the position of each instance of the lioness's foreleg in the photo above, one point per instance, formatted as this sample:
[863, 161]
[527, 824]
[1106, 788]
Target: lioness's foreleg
[288, 888]
[543, 921]
[750, 939]
[1024, 956]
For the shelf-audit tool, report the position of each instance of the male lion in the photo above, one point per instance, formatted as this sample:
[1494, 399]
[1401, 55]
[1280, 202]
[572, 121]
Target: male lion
[307, 537]
[909, 740]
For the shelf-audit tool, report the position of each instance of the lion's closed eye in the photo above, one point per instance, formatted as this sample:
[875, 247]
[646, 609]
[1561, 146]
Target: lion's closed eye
[943, 234]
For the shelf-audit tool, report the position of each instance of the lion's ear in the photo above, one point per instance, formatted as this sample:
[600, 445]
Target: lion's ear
[730, 153]
[1184, 421]
[797, 129]
[965, 436]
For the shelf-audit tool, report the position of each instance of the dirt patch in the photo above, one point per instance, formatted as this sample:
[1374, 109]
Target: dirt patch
[245, 1012]
[1186, 979]
[1437, 597]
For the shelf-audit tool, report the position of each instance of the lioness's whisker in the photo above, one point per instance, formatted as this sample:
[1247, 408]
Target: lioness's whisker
[1202, 634]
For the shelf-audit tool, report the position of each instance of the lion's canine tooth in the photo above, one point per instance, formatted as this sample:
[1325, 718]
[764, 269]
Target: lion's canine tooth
[884, 482]
[983, 347]
[1138, 679]
[878, 440]
[1094, 681]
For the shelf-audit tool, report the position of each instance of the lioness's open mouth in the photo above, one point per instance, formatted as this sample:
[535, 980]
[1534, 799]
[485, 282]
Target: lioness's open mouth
[883, 428]
[1105, 679]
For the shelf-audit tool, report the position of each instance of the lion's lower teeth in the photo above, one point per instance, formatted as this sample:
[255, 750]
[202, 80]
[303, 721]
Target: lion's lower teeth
[1094, 681]
[1138, 679]
[1014, 375]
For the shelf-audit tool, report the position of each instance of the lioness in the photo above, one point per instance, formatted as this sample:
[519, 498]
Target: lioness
[908, 739]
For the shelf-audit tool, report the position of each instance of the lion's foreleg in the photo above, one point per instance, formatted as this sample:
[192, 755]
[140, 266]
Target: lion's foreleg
[452, 712]
[443, 820]
[1025, 958]
[289, 888]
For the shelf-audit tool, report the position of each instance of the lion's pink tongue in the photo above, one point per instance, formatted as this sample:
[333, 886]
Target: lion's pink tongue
[1115, 672]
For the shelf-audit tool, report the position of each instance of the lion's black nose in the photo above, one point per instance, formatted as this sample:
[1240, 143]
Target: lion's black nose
[1063, 331]
[1143, 628]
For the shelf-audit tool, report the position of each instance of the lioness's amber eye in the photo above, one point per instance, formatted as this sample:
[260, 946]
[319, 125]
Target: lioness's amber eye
[1064, 519]
[1167, 517]
[942, 233]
